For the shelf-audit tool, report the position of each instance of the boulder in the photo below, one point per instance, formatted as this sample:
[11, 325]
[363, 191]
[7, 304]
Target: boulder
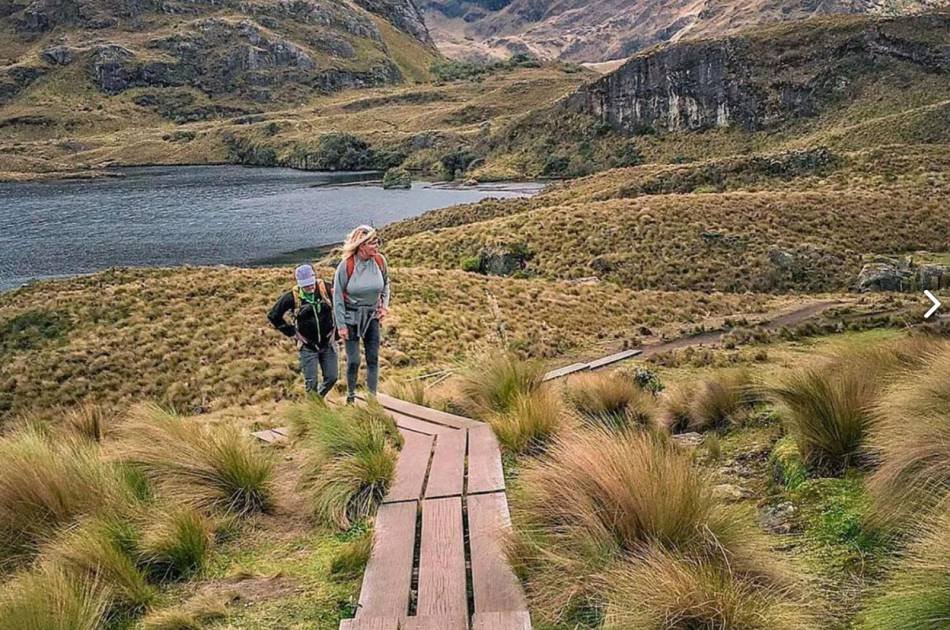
[398, 178]
[114, 68]
[880, 276]
[933, 276]
[58, 55]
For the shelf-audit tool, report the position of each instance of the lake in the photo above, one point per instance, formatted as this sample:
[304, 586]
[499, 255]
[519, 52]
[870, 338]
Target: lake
[202, 215]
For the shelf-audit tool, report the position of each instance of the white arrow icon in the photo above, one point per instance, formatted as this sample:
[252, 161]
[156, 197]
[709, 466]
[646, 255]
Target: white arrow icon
[933, 309]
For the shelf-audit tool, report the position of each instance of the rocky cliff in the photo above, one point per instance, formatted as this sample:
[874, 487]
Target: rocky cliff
[601, 30]
[253, 51]
[763, 79]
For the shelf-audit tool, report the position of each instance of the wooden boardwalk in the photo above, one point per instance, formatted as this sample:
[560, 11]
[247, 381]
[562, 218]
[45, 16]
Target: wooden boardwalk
[438, 562]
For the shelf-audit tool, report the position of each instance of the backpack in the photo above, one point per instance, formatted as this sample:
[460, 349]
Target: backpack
[351, 265]
[315, 321]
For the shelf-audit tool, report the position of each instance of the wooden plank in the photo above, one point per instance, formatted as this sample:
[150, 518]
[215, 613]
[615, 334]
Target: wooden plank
[567, 369]
[435, 623]
[614, 358]
[281, 431]
[447, 473]
[485, 473]
[388, 575]
[495, 586]
[424, 413]
[411, 467]
[512, 620]
[442, 584]
[420, 426]
[370, 623]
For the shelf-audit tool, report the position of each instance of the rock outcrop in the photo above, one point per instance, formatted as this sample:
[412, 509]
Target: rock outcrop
[734, 82]
[902, 275]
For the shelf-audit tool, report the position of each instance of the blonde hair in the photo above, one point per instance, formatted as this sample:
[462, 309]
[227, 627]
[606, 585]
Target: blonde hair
[356, 238]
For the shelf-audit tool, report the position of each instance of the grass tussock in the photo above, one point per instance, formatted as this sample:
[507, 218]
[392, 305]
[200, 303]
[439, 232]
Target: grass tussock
[662, 590]
[917, 594]
[195, 614]
[52, 599]
[716, 402]
[610, 400]
[531, 422]
[351, 460]
[827, 409]
[95, 551]
[215, 468]
[351, 559]
[492, 384]
[46, 486]
[88, 420]
[599, 503]
[177, 543]
[910, 438]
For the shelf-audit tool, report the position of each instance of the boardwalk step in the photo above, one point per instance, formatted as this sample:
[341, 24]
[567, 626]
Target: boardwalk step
[442, 588]
[270, 436]
[434, 623]
[567, 369]
[388, 575]
[425, 413]
[485, 473]
[420, 426]
[447, 472]
[411, 467]
[511, 620]
[495, 586]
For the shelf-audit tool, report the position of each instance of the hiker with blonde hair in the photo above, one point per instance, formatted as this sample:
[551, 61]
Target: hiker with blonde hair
[360, 303]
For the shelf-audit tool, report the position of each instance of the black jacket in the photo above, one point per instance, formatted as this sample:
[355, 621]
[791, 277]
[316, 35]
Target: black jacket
[313, 322]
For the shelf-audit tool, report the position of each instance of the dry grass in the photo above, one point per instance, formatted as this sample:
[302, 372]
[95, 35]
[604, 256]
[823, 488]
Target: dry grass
[532, 420]
[718, 401]
[599, 502]
[910, 437]
[917, 595]
[196, 614]
[47, 485]
[216, 468]
[493, 383]
[611, 400]
[351, 460]
[176, 543]
[51, 599]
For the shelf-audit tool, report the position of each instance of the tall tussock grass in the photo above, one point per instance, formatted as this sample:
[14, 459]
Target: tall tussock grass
[715, 402]
[910, 439]
[917, 594]
[611, 400]
[531, 422]
[492, 384]
[176, 543]
[351, 460]
[52, 599]
[46, 485]
[214, 468]
[600, 505]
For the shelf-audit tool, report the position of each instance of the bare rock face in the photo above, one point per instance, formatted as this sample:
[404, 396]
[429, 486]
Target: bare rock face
[734, 82]
[403, 14]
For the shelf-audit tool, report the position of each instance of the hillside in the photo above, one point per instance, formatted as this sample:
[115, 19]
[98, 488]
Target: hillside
[612, 29]
[79, 65]
[845, 83]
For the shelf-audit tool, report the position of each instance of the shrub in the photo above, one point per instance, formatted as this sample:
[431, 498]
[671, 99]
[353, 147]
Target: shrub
[599, 500]
[50, 599]
[532, 421]
[351, 463]
[911, 439]
[209, 467]
[45, 486]
[177, 544]
[611, 400]
[397, 178]
[94, 552]
[471, 264]
[495, 382]
[917, 595]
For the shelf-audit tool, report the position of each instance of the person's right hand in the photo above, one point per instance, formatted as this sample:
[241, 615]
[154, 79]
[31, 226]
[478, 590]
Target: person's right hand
[344, 333]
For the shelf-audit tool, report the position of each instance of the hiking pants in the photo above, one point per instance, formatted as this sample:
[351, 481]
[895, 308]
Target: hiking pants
[325, 358]
[371, 349]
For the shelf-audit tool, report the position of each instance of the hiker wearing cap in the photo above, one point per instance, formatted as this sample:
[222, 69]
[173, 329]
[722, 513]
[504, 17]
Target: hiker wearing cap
[311, 307]
[360, 303]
